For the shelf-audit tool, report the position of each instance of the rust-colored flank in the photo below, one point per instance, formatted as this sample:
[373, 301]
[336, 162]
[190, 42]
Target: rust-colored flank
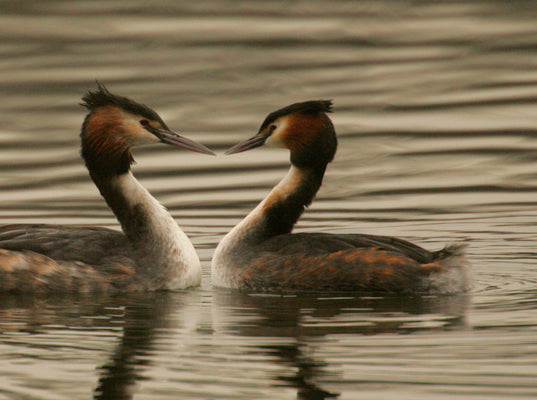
[262, 254]
[151, 252]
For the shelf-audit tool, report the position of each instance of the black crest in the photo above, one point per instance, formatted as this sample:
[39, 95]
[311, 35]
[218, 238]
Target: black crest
[306, 107]
[102, 97]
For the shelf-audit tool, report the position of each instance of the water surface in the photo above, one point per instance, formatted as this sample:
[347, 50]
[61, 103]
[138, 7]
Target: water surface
[435, 107]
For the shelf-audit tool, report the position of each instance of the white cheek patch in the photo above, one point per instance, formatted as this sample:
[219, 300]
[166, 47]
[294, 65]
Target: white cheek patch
[276, 138]
[137, 135]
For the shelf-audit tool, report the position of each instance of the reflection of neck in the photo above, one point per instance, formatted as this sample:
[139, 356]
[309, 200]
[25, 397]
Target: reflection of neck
[163, 250]
[279, 211]
[143, 316]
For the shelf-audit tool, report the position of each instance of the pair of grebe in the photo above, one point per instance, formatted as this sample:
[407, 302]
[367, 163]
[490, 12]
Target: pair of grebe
[259, 254]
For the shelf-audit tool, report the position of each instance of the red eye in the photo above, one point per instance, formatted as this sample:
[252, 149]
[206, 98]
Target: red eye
[272, 128]
[144, 122]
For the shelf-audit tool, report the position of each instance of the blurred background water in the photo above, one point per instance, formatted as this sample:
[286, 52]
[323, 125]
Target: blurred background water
[435, 107]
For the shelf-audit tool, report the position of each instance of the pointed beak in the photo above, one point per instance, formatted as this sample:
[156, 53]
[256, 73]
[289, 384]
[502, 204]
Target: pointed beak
[252, 143]
[174, 139]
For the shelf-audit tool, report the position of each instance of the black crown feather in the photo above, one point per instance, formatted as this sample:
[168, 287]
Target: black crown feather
[102, 97]
[306, 107]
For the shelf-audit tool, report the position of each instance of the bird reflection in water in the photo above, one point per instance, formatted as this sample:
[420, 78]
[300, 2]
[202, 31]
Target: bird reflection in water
[118, 377]
[305, 319]
[141, 316]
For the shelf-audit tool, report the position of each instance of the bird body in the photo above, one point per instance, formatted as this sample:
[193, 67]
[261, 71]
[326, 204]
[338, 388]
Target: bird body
[261, 253]
[152, 252]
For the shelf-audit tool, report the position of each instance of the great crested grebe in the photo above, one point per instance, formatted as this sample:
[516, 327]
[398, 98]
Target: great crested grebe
[261, 253]
[153, 253]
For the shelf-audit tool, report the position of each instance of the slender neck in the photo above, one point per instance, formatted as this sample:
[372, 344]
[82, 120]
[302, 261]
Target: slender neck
[164, 256]
[280, 210]
[132, 204]
[163, 252]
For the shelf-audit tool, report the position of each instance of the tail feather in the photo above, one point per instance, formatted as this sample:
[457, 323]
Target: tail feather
[456, 277]
[451, 254]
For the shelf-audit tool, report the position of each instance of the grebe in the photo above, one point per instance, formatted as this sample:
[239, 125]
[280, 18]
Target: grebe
[153, 253]
[261, 253]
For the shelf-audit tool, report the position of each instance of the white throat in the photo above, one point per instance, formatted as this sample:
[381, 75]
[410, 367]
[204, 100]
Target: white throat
[222, 271]
[171, 254]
